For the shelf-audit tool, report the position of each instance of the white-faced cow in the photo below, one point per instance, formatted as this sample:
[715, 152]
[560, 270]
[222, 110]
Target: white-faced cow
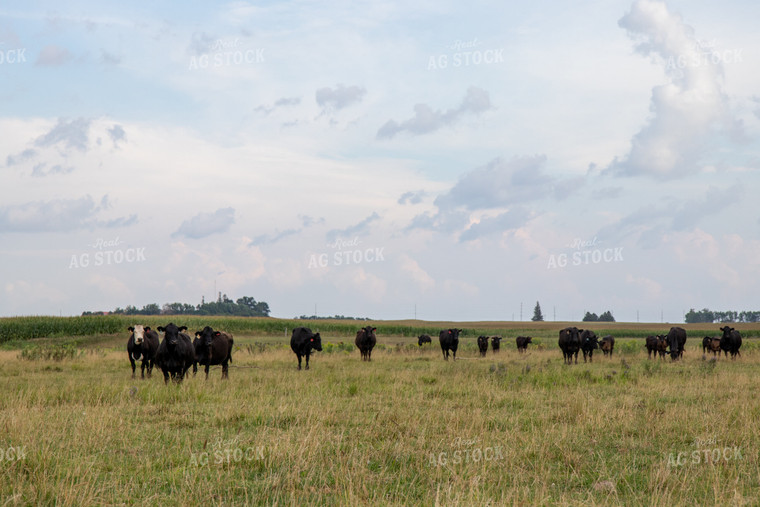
[483, 345]
[449, 340]
[731, 341]
[302, 341]
[142, 346]
[175, 353]
[570, 343]
[676, 341]
[365, 341]
[211, 348]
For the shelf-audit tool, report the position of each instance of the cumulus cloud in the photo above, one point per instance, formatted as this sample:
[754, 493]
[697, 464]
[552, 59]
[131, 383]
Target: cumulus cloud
[72, 134]
[116, 133]
[412, 197]
[353, 230]
[206, 224]
[269, 239]
[27, 154]
[58, 215]
[279, 103]
[426, 120]
[340, 97]
[688, 110]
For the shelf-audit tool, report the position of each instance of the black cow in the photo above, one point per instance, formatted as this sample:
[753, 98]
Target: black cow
[570, 343]
[366, 340]
[175, 353]
[731, 341]
[212, 347]
[483, 345]
[424, 338]
[676, 341]
[651, 344]
[711, 344]
[495, 343]
[142, 346]
[607, 345]
[449, 339]
[589, 342]
[522, 343]
[302, 341]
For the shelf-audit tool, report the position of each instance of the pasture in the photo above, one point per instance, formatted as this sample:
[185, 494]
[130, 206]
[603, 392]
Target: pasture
[407, 428]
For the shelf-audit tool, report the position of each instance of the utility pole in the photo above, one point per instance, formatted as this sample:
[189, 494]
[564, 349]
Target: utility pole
[520, 311]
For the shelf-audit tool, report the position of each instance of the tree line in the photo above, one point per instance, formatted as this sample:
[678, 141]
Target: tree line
[245, 306]
[710, 316]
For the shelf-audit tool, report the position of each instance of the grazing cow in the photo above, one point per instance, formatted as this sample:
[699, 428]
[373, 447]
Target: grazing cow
[676, 341]
[449, 340]
[522, 343]
[588, 344]
[175, 353]
[142, 346]
[570, 343]
[495, 343]
[607, 345]
[366, 340]
[731, 341]
[711, 344]
[424, 338]
[483, 345]
[212, 347]
[302, 341]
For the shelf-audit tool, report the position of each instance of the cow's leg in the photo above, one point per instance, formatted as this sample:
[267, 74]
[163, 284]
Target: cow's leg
[195, 368]
[225, 370]
[299, 361]
[132, 362]
[208, 365]
[142, 369]
[166, 376]
[307, 361]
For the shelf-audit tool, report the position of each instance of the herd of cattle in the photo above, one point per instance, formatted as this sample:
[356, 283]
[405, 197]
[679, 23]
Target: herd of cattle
[176, 353]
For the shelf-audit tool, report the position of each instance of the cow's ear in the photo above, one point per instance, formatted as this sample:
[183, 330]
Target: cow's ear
[183, 328]
[197, 333]
[316, 335]
[374, 329]
[147, 328]
[217, 333]
[161, 328]
[130, 328]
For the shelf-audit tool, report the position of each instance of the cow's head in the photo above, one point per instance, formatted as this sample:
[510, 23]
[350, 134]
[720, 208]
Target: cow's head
[495, 339]
[455, 333]
[726, 331]
[171, 333]
[139, 333]
[589, 339]
[315, 341]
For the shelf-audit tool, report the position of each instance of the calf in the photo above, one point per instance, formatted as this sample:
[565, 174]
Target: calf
[175, 354]
[142, 345]
[483, 345]
[651, 344]
[424, 338]
[495, 343]
[607, 345]
[365, 341]
[449, 340]
[522, 343]
[711, 344]
[302, 341]
[589, 343]
[213, 347]
[662, 345]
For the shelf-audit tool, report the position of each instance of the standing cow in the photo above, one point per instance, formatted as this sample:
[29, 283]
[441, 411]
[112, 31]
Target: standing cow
[522, 343]
[175, 353]
[731, 341]
[570, 343]
[302, 341]
[495, 343]
[142, 346]
[424, 338]
[483, 345]
[676, 341]
[607, 345]
[711, 344]
[589, 343]
[651, 344]
[213, 347]
[365, 341]
[449, 340]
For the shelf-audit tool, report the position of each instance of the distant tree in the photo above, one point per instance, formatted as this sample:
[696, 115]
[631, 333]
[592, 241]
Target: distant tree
[537, 316]
[606, 317]
[590, 317]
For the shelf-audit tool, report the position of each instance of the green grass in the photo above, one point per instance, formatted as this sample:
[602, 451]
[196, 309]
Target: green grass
[405, 429]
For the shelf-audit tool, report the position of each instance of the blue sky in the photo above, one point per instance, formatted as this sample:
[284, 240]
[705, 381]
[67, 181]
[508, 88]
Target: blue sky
[373, 158]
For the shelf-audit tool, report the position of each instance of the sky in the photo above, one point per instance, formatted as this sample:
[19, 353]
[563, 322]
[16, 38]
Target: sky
[435, 160]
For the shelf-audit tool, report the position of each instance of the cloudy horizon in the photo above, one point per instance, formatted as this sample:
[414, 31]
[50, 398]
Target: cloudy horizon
[435, 161]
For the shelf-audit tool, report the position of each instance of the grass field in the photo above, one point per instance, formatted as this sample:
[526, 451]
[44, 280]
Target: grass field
[406, 429]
